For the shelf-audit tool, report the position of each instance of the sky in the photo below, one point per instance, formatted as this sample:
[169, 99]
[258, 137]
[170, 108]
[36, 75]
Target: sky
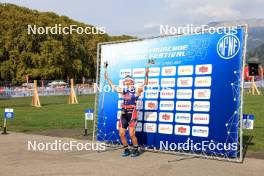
[144, 17]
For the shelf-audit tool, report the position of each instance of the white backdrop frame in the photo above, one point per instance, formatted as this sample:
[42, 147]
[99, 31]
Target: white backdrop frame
[240, 157]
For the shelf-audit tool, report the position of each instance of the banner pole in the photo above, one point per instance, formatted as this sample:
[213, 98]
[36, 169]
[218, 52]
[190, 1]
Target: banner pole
[96, 91]
[242, 94]
[85, 127]
[5, 131]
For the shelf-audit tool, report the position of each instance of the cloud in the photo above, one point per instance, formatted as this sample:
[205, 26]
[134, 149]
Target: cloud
[151, 25]
[187, 12]
[143, 18]
[221, 13]
[205, 10]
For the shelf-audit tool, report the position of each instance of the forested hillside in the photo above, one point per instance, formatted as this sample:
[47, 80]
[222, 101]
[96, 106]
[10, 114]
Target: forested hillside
[44, 56]
[258, 53]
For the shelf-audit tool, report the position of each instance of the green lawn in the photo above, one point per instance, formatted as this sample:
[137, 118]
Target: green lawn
[55, 113]
[255, 105]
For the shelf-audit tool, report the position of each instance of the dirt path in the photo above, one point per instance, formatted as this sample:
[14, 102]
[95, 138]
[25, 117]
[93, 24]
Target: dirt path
[17, 160]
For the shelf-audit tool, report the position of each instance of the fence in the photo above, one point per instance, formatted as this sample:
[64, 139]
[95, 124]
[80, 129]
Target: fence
[259, 84]
[46, 88]
[20, 91]
[8, 92]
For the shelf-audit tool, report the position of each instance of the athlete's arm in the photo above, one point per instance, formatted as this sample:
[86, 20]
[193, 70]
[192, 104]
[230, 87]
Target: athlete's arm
[115, 88]
[141, 88]
[146, 76]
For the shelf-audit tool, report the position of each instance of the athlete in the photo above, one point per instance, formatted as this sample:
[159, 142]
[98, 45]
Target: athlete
[128, 118]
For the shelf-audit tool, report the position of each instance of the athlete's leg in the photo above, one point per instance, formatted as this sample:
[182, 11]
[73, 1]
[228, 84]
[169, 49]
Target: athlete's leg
[132, 127]
[123, 123]
[132, 134]
[122, 134]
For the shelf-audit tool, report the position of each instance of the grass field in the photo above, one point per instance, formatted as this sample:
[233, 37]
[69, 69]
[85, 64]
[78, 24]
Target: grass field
[255, 105]
[55, 113]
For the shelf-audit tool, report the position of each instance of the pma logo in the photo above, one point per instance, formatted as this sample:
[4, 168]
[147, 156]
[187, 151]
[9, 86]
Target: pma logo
[228, 46]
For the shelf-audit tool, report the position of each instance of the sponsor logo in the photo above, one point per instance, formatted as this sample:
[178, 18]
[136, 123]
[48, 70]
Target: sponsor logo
[185, 82]
[169, 71]
[202, 93]
[228, 46]
[167, 93]
[201, 106]
[152, 93]
[119, 113]
[200, 118]
[185, 70]
[165, 128]
[119, 104]
[153, 82]
[125, 72]
[139, 82]
[204, 81]
[166, 105]
[139, 127]
[167, 82]
[184, 94]
[150, 116]
[154, 71]
[182, 117]
[140, 116]
[182, 130]
[200, 131]
[203, 69]
[165, 117]
[138, 72]
[183, 106]
[117, 125]
[151, 105]
[150, 127]
[139, 105]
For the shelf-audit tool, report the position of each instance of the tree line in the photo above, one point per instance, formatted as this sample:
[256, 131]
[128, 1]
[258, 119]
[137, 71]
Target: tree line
[45, 56]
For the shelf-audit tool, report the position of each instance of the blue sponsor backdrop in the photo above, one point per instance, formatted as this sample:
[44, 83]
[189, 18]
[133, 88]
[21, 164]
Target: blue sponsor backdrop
[222, 53]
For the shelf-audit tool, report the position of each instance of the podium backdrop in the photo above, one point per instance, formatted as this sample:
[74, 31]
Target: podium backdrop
[193, 96]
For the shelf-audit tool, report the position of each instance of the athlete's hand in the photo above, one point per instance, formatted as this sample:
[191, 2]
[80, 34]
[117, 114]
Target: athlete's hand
[106, 76]
[147, 68]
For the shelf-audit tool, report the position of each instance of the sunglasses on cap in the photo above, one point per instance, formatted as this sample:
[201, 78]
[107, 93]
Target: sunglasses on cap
[128, 78]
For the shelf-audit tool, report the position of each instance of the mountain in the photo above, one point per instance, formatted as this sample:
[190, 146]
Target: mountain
[255, 43]
[255, 30]
[257, 53]
[46, 55]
